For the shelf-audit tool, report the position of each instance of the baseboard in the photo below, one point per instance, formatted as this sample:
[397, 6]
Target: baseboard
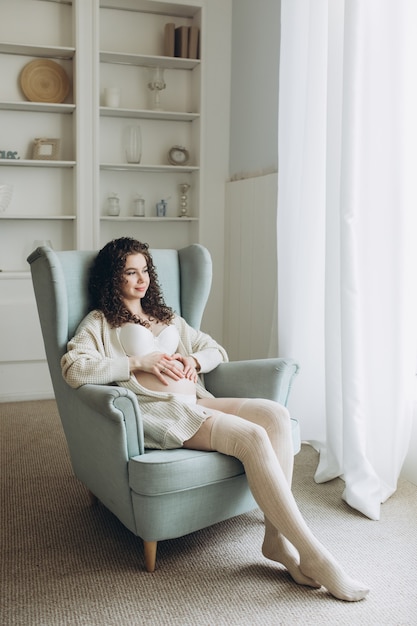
[26, 397]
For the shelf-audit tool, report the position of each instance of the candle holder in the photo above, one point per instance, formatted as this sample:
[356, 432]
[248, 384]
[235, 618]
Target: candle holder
[184, 187]
[113, 207]
[156, 84]
[139, 206]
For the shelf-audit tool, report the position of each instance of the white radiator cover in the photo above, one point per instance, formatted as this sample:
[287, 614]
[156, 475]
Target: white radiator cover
[250, 326]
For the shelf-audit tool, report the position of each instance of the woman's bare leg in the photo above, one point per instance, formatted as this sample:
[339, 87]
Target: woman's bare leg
[249, 443]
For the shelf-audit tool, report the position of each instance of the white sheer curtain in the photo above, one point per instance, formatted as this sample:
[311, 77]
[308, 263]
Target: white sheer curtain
[347, 234]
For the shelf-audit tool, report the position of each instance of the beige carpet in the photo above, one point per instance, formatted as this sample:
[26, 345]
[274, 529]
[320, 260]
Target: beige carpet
[64, 562]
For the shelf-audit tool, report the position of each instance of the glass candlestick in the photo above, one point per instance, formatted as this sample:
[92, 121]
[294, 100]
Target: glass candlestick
[156, 84]
[184, 187]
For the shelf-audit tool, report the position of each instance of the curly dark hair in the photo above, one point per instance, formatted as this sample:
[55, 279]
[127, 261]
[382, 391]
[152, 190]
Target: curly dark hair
[106, 276]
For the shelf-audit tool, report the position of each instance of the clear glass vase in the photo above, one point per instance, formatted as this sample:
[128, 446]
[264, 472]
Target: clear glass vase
[133, 144]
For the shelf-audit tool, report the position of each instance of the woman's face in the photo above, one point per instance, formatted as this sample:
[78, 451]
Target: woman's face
[135, 278]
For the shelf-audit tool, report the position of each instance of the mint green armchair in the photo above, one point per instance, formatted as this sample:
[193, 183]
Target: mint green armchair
[157, 494]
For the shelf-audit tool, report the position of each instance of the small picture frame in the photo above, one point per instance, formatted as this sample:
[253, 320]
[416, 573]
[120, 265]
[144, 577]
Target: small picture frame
[45, 149]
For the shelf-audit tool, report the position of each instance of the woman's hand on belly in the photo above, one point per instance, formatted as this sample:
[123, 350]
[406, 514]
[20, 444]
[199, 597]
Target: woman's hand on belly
[168, 379]
[157, 364]
[189, 366]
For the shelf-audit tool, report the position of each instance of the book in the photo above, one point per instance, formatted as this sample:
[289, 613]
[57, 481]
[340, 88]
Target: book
[193, 42]
[181, 41]
[169, 40]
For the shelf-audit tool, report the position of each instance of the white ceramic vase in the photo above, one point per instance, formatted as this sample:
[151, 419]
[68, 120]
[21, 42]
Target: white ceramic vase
[133, 144]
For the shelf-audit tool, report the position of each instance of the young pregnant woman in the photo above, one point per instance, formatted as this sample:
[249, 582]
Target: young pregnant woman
[130, 337]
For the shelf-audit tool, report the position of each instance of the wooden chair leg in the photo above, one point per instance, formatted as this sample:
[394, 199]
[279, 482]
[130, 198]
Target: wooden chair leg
[150, 555]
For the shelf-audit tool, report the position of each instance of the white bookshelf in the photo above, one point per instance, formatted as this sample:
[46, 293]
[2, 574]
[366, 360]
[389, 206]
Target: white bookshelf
[102, 43]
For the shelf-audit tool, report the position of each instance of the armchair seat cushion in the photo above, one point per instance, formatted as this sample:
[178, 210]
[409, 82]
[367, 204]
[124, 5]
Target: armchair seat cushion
[160, 472]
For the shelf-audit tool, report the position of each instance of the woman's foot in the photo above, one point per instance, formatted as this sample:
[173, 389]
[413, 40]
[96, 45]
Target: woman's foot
[322, 567]
[280, 550]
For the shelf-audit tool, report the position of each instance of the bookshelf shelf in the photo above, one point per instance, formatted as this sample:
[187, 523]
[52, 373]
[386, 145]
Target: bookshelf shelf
[144, 60]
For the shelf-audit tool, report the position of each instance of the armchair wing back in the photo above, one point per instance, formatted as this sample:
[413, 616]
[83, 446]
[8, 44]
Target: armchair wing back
[157, 494]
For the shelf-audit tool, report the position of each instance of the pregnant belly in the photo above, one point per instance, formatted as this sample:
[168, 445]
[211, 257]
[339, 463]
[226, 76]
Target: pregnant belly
[183, 386]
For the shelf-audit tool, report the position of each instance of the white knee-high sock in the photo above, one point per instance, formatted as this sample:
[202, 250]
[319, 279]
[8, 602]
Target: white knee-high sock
[275, 419]
[250, 444]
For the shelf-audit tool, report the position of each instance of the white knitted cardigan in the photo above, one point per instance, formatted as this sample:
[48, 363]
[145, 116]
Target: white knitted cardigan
[96, 356]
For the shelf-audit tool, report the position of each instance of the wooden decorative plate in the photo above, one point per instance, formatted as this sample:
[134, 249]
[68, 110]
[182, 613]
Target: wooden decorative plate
[43, 80]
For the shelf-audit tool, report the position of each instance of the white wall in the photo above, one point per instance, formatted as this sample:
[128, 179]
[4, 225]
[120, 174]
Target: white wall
[254, 83]
[251, 195]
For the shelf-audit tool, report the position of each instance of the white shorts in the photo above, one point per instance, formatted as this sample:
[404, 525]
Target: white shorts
[185, 397]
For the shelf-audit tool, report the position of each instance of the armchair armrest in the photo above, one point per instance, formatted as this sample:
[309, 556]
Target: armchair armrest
[103, 429]
[258, 378]
[117, 404]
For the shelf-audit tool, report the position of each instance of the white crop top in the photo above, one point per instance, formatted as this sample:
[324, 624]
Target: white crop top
[138, 340]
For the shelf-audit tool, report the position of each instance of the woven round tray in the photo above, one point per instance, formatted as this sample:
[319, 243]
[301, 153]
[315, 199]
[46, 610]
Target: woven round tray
[43, 80]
